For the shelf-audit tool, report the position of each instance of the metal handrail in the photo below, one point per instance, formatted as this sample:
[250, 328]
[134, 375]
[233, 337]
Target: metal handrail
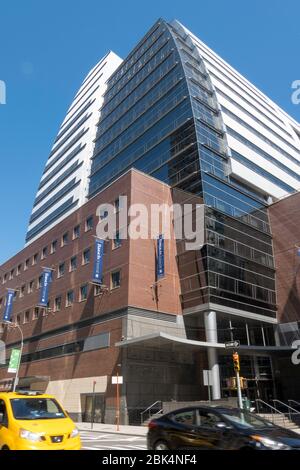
[259, 400]
[287, 406]
[294, 401]
[149, 409]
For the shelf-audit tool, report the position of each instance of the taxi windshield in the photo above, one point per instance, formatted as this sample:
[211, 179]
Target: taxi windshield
[36, 408]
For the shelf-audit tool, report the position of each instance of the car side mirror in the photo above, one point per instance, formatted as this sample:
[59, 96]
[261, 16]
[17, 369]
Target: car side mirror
[222, 425]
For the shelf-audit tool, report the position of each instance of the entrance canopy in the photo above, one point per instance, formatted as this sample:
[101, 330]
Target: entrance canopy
[164, 340]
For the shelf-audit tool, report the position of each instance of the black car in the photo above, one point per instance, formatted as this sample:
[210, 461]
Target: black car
[218, 428]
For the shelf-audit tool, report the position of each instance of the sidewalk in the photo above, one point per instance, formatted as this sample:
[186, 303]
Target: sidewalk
[112, 429]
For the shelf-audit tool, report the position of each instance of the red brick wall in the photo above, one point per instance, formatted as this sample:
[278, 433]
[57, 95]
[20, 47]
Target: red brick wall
[285, 224]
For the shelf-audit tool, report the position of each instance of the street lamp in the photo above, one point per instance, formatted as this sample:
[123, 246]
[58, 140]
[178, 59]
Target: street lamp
[15, 325]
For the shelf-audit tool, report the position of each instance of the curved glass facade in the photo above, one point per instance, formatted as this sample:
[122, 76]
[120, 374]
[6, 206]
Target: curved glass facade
[161, 115]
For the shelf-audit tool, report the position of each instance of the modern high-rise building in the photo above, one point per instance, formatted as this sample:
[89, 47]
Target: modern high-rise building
[177, 111]
[172, 122]
[64, 183]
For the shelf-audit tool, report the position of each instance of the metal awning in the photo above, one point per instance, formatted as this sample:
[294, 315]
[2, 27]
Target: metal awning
[163, 340]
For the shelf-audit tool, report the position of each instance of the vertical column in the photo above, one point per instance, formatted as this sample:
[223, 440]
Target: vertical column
[210, 321]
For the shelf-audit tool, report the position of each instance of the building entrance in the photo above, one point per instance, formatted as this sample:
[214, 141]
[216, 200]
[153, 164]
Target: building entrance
[93, 408]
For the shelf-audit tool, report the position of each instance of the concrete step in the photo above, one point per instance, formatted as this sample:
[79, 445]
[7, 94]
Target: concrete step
[155, 415]
[281, 420]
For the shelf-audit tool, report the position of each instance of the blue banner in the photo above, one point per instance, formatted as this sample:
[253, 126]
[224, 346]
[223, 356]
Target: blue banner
[46, 281]
[160, 257]
[9, 305]
[98, 261]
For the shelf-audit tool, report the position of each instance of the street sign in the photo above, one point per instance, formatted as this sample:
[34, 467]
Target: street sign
[232, 344]
[14, 361]
[207, 378]
[117, 379]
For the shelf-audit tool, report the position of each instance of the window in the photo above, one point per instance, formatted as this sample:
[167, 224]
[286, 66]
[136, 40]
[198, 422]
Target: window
[98, 289]
[46, 310]
[53, 246]
[70, 298]
[44, 252]
[3, 411]
[35, 259]
[22, 291]
[103, 214]
[117, 205]
[36, 312]
[73, 263]
[65, 239]
[19, 269]
[83, 292]
[57, 304]
[18, 319]
[61, 270]
[40, 281]
[89, 223]
[1, 302]
[117, 240]
[86, 256]
[186, 417]
[30, 287]
[76, 232]
[208, 420]
[115, 279]
[11, 274]
[26, 316]
[26, 265]
[4, 278]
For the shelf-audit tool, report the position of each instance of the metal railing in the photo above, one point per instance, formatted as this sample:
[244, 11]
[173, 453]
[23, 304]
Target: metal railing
[290, 408]
[158, 409]
[294, 401]
[274, 410]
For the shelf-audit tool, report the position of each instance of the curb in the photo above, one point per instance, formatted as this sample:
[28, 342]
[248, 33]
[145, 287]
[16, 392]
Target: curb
[119, 433]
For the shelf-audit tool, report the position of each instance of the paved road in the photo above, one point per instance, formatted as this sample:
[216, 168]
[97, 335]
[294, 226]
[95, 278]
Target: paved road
[103, 441]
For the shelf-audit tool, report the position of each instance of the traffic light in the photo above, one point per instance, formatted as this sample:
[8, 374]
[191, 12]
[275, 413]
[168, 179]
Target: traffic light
[231, 383]
[236, 361]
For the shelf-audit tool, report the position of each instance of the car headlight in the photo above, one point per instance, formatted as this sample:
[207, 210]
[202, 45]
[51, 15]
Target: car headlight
[74, 433]
[30, 436]
[270, 443]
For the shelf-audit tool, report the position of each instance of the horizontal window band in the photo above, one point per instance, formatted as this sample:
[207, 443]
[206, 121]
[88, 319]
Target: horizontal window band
[65, 190]
[58, 181]
[65, 207]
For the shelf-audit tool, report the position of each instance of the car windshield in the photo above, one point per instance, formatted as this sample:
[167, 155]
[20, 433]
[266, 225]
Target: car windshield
[247, 420]
[36, 408]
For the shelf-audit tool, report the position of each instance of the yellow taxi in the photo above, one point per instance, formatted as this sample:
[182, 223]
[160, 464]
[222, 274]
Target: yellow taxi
[35, 421]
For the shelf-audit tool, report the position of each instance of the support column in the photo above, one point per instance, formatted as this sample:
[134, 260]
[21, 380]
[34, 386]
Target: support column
[210, 321]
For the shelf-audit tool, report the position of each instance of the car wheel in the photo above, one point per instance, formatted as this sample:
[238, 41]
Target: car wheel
[161, 445]
[5, 448]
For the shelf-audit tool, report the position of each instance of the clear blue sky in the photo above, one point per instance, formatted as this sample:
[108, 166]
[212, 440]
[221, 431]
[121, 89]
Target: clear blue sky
[48, 47]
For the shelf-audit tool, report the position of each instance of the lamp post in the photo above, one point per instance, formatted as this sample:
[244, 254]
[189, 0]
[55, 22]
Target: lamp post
[15, 325]
[118, 400]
